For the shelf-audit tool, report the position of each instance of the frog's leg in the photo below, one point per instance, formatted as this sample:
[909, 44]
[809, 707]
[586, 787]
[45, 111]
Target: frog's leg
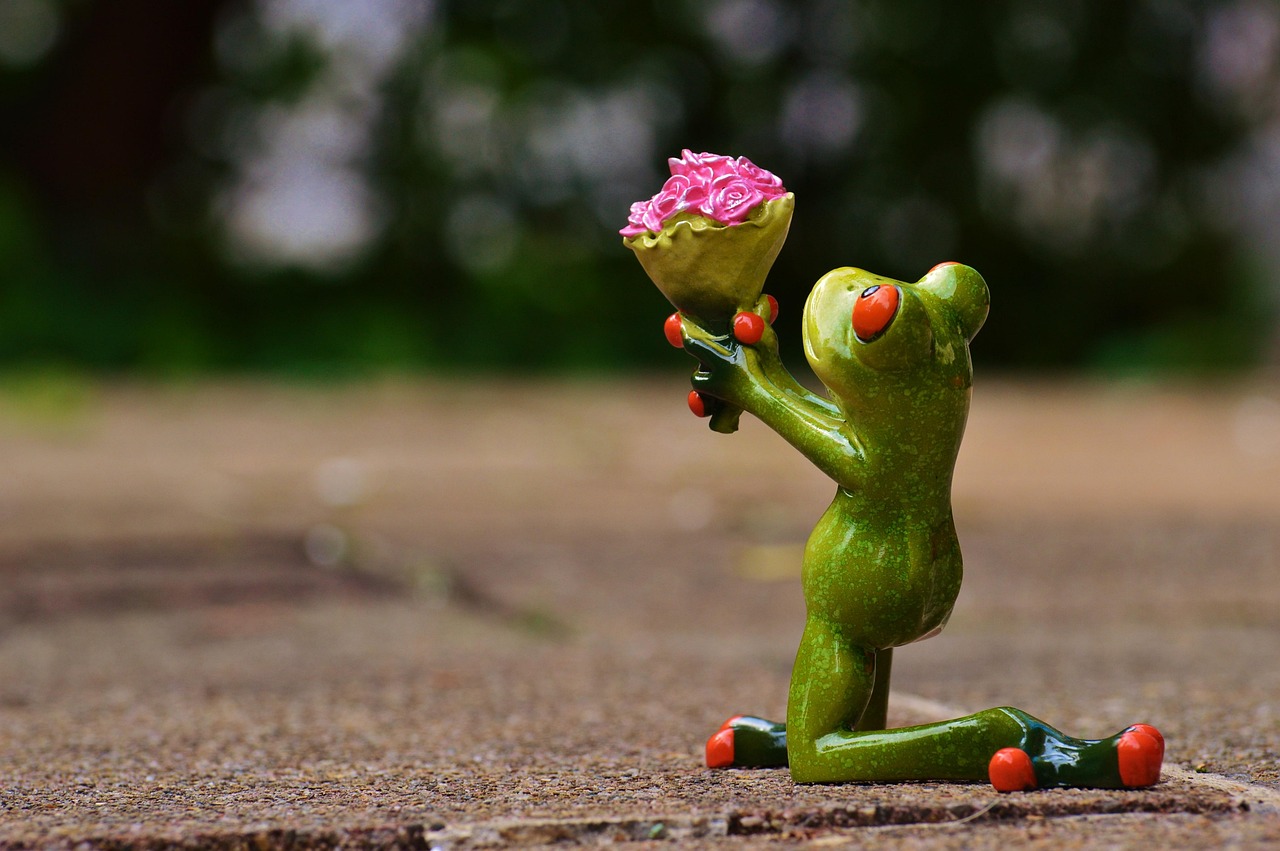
[832, 686]
[745, 741]
[876, 715]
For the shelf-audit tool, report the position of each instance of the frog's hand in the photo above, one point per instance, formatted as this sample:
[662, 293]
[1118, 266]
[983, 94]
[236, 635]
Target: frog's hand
[722, 364]
[735, 364]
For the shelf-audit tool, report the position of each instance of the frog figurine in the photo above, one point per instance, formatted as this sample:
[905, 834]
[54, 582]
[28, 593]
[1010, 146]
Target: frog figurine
[883, 567]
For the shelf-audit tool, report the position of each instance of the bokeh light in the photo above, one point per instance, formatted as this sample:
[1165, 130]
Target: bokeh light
[417, 183]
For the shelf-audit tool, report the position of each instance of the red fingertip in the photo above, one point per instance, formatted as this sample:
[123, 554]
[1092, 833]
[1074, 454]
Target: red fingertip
[773, 308]
[671, 328]
[697, 404]
[748, 328]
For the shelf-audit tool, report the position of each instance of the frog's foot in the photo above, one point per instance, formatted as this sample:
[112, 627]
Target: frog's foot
[745, 741]
[1129, 760]
[1140, 753]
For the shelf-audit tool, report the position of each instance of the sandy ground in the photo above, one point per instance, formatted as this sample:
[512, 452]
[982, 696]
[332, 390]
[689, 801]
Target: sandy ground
[477, 613]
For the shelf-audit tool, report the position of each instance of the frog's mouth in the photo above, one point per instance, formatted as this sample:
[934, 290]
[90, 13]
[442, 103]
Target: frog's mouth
[827, 342]
[810, 331]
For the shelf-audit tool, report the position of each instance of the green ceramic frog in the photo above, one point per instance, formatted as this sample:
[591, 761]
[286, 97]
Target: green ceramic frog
[883, 567]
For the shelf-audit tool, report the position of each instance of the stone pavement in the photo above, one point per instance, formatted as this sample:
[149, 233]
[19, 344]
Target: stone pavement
[508, 614]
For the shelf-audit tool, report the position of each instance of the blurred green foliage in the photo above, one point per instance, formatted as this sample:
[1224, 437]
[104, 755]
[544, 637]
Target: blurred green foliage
[329, 187]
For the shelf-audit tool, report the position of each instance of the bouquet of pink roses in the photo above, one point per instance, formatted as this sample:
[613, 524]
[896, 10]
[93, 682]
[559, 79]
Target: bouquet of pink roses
[711, 234]
[708, 239]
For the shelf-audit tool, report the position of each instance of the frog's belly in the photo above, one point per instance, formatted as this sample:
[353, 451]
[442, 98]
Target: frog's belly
[886, 582]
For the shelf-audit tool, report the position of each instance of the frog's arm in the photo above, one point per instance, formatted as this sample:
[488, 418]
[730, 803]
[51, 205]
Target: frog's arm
[754, 379]
[771, 367]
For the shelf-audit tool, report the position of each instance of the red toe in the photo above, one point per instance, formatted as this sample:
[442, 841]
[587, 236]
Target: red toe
[720, 749]
[1010, 771]
[1152, 732]
[734, 720]
[1140, 755]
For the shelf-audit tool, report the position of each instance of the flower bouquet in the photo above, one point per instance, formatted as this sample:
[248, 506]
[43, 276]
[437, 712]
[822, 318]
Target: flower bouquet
[709, 238]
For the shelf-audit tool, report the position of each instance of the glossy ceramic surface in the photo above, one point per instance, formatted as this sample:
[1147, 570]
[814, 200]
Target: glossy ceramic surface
[883, 567]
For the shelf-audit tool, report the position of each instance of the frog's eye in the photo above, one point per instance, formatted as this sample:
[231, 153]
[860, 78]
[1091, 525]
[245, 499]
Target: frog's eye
[874, 310]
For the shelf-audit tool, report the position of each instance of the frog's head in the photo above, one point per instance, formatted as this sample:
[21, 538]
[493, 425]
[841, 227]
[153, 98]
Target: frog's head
[863, 332]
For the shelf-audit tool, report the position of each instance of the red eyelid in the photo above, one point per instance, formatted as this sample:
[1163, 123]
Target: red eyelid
[873, 311]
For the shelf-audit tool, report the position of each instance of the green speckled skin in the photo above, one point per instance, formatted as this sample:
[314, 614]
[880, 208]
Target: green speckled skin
[883, 563]
[882, 567]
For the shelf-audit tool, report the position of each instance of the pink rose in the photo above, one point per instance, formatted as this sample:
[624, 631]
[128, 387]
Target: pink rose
[691, 192]
[716, 186]
[652, 217]
[678, 194]
[635, 221]
[731, 200]
[669, 201]
[769, 184]
[701, 168]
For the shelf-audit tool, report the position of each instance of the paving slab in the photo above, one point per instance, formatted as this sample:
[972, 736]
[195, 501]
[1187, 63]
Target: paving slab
[483, 614]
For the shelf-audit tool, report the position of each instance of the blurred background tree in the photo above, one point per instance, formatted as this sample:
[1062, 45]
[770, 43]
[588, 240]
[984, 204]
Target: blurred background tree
[325, 186]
